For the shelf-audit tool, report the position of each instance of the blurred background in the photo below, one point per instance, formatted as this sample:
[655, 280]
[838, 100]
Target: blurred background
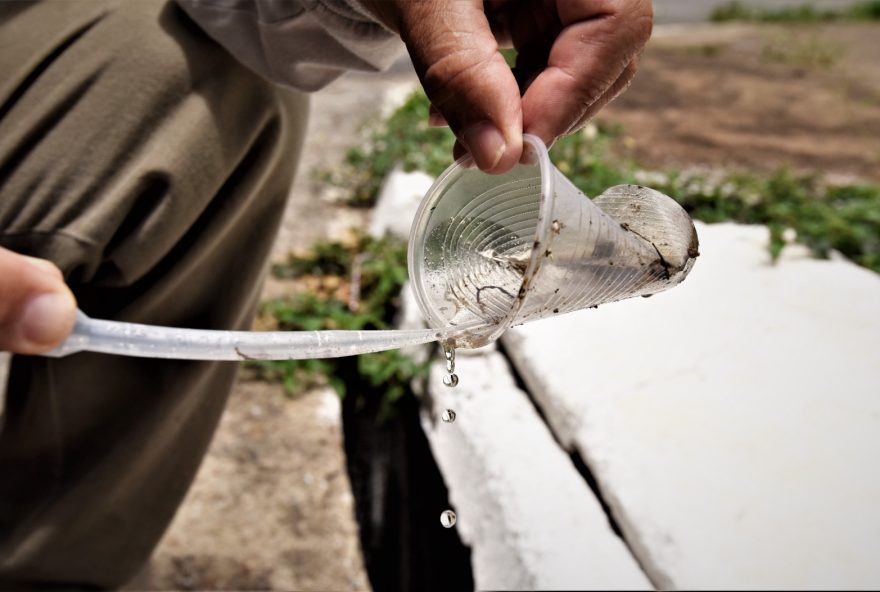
[721, 437]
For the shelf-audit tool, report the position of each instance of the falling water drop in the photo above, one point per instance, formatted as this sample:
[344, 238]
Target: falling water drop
[448, 416]
[447, 519]
[451, 380]
[450, 359]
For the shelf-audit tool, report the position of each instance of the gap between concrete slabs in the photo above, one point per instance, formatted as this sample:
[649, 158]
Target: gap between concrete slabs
[525, 510]
[732, 421]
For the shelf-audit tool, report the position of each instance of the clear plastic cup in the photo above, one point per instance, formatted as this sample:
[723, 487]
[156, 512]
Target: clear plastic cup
[488, 252]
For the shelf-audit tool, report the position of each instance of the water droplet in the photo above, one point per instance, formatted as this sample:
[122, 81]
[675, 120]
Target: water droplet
[451, 380]
[450, 359]
[447, 519]
[448, 416]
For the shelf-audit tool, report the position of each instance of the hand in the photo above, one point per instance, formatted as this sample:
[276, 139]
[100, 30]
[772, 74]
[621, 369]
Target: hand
[574, 56]
[37, 309]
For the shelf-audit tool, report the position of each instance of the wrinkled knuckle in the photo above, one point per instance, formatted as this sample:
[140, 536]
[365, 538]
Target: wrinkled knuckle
[634, 23]
[643, 26]
[641, 21]
[445, 78]
[638, 9]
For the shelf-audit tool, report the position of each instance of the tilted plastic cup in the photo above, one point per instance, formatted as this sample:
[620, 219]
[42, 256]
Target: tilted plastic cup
[488, 252]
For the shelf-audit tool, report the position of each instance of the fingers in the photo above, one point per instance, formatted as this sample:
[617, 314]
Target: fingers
[435, 118]
[591, 61]
[468, 82]
[620, 85]
[37, 309]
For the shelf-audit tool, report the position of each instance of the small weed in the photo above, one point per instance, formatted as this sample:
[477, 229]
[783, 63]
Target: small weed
[322, 259]
[509, 55]
[825, 218]
[404, 139]
[379, 269]
[804, 13]
[585, 159]
[867, 11]
[809, 51]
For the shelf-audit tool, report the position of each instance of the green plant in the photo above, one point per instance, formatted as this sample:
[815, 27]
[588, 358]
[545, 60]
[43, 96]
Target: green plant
[331, 258]
[586, 160]
[825, 217]
[804, 13]
[732, 11]
[405, 139]
[810, 51]
[868, 11]
[375, 270]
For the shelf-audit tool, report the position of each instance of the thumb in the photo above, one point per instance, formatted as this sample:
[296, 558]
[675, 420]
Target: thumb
[37, 309]
[456, 57]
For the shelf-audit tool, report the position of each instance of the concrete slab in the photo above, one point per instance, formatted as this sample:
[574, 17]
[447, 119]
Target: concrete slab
[527, 514]
[398, 201]
[733, 423]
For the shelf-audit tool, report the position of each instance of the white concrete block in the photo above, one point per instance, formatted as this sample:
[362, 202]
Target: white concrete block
[395, 94]
[733, 423]
[523, 508]
[398, 201]
[527, 514]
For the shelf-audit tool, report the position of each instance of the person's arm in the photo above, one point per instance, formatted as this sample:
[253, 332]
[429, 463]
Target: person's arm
[37, 309]
[304, 44]
[574, 56]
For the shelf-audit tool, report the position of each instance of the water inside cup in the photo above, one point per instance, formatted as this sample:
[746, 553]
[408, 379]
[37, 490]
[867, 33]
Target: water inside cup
[488, 252]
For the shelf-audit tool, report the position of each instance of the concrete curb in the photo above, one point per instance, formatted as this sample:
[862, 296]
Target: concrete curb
[732, 423]
[529, 517]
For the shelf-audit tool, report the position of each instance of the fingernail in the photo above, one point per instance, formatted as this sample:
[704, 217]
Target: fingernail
[47, 318]
[485, 143]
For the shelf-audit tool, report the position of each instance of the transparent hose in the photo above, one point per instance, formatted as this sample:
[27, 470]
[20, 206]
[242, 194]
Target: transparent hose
[148, 341]
[486, 253]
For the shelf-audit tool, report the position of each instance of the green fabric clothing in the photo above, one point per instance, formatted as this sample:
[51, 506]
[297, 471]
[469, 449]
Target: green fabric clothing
[153, 168]
[304, 44]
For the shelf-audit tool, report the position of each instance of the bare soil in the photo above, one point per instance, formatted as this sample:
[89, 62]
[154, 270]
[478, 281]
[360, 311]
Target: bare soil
[756, 98]
[272, 507]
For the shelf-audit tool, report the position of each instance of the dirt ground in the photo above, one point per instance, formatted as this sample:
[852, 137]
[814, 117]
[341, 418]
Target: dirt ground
[757, 99]
[272, 507]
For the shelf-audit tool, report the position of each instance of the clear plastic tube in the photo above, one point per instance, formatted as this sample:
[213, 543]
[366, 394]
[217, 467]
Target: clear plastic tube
[486, 253]
[148, 341]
